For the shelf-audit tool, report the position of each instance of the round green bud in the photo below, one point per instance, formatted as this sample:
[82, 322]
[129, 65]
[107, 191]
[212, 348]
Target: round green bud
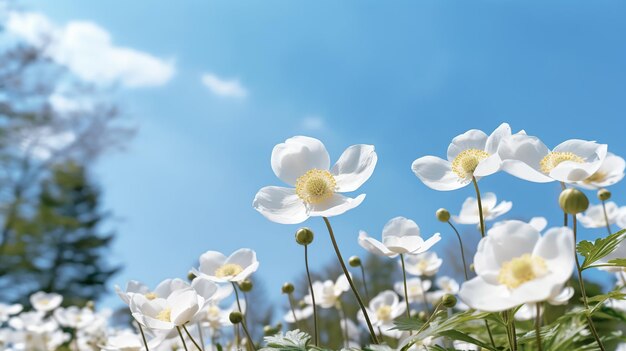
[423, 316]
[443, 215]
[268, 330]
[245, 285]
[235, 317]
[448, 300]
[287, 288]
[354, 261]
[573, 201]
[304, 236]
[471, 267]
[191, 276]
[604, 194]
[279, 326]
[302, 304]
[90, 305]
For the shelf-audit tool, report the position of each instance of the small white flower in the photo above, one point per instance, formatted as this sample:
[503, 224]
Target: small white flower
[383, 309]
[180, 306]
[593, 217]
[45, 302]
[471, 154]
[491, 209]
[304, 164]
[446, 285]
[216, 267]
[610, 172]
[464, 346]
[127, 340]
[572, 161]
[516, 265]
[400, 236]
[301, 314]
[74, 317]
[424, 264]
[327, 293]
[415, 288]
[7, 311]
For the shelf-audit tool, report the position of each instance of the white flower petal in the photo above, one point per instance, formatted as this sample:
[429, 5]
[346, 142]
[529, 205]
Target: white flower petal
[521, 157]
[557, 247]
[210, 261]
[436, 173]
[354, 167]
[280, 205]
[374, 246]
[400, 226]
[336, 205]
[493, 141]
[539, 223]
[472, 139]
[480, 295]
[296, 156]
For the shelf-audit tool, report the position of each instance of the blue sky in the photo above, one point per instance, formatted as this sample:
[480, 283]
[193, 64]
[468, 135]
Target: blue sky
[406, 76]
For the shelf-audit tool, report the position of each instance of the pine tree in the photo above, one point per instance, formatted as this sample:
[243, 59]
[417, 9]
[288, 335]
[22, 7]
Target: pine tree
[61, 247]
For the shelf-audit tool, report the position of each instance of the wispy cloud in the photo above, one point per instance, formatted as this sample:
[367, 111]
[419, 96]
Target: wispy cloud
[230, 88]
[88, 51]
[313, 123]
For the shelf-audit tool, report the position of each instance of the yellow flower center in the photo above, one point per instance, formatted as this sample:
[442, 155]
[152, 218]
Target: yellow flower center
[596, 178]
[228, 270]
[414, 290]
[315, 186]
[465, 163]
[521, 270]
[150, 296]
[422, 265]
[165, 315]
[383, 313]
[553, 159]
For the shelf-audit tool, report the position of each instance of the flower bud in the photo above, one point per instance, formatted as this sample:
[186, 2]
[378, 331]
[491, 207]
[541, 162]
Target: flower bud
[423, 316]
[304, 236]
[235, 317]
[443, 215]
[471, 267]
[354, 261]
[604, 194]
[302, 304]
[245, 285]
[287, 288]
[573, 201]
[90, 305]
[191, 276]
[268, 330]
[448, 300]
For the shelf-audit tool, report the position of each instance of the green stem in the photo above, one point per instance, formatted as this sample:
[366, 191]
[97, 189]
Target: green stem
[243, 319]
[538, 327]
[430, 319]
[346, 337]
[606, 217]
[143, 337]
[199, 326]
[181, 338]
[293, 310]
[191, 338]
[462, 251]
[245, 330]
[480, 207]
[367, 294]
[583, 293]
[493, 343]
[513, 331]
[406, 293]
[347, 274]
[563, 187]
[308, 275]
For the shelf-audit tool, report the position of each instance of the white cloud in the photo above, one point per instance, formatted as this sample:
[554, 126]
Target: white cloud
[313, 123]
[224, 87]
[88, 51]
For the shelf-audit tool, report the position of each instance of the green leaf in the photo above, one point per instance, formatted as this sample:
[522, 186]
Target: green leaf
[593, 252]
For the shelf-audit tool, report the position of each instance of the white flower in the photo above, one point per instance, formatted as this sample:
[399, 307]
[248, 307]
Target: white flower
[593, 217]
[471, 154]
[216, 317]
[491, 209]
[45, 302]
[327, 293]
[415, 288]
[304, 164]
[301, 314]
[162, 290]
[446, 285]
[9, 310]
[400, 236]
[216, 267]
[180, 306]
[572, 161]
[127, 340]
[424, 264]
[539, 223]
[382, 310]
[610, 172]
[516, 265]
[74, 317]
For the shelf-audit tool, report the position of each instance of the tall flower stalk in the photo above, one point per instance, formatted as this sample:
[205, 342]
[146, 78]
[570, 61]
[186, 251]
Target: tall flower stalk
[304, 237]
[349, 278]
